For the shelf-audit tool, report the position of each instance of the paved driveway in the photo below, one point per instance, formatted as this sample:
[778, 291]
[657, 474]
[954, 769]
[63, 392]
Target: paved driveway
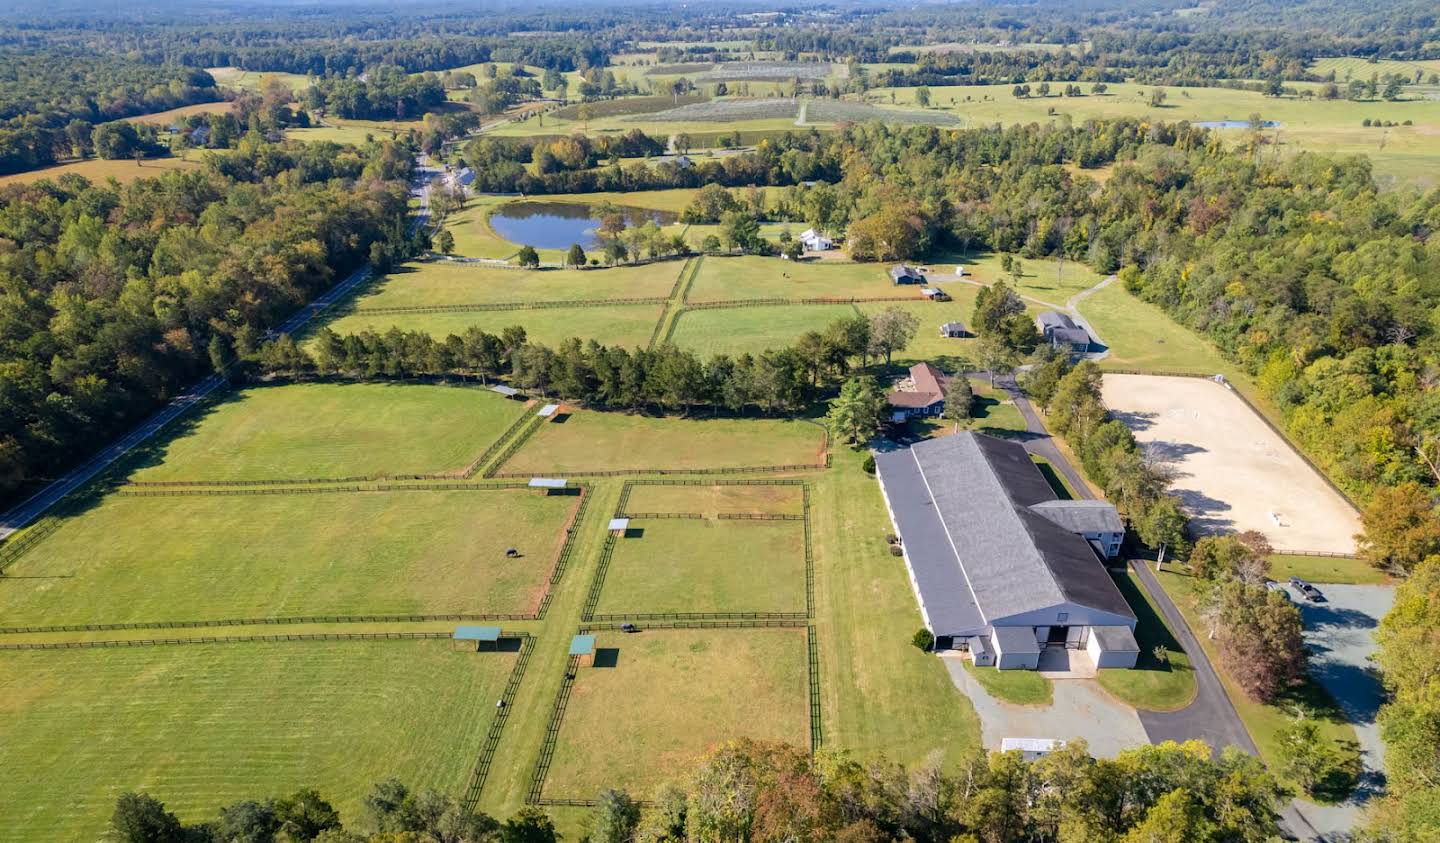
[1340, 634]
[1080, 710]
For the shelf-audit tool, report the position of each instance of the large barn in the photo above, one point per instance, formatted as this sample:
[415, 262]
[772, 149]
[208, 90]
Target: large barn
[1000, 565]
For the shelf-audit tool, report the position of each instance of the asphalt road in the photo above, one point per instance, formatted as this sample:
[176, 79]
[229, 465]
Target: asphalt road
[36, 505]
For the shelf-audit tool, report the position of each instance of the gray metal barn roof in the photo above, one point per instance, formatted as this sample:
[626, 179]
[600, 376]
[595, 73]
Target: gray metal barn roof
[1115, 639]
[1016, 639]
[962, 505]
[1081, 516]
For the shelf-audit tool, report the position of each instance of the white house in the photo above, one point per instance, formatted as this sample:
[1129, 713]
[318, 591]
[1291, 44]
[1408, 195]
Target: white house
[814, 241]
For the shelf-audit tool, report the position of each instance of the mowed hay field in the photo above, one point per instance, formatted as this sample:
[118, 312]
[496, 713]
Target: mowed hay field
[590, 442]
[752, 277]
[752, 329]
[201, 726]
[720, 499]
[306, 431]
[443, 284]
[149, 559]
[1233, 473]
[626, 325]
[659, 699]
[100, 169]
[705, 565]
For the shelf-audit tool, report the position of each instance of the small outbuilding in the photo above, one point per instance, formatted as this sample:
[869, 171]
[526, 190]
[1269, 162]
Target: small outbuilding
[1113, 646]
[1062, 333]
[814, 241]
[480, 636]
[548, 411]
[903, 274]
[507, 391]
[953, 330]
[1031, 749]
[548, 484]
[1015, 648]
[582, 649]
[934, 294]
[618, 526]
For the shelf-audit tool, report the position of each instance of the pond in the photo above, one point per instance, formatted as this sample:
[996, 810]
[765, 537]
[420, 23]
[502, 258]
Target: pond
[1233, 124]
[558, 225]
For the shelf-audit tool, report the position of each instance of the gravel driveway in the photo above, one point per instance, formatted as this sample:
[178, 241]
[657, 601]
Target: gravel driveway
[1340, 634]
[1081, 709]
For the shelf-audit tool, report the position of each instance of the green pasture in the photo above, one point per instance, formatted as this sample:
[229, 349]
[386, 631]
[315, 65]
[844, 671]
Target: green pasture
[445, 284]
[659, 699]
[593, 441]
[251, 80]
[949, 353]
[711, 501]
[1262, 721]
[202, 726]
[1322, 569]
[752, 277]
[132, 558]
[474, 238]
[751, 330]
[1142, 336]
[1153, 685]
[1043, 282]
[317, 430]
[705, 565]
[629, 325]
[1403, 154]
[351, 135]
[1346, 68]
[1019, 687]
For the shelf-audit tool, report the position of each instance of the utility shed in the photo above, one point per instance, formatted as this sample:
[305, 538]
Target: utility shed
[1113, 646]
[1015, 647]
[480, 635]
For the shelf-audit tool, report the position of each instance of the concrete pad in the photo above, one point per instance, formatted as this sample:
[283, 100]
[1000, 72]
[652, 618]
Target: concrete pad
[1234, 472]
[1080, 709]
[1061, 663]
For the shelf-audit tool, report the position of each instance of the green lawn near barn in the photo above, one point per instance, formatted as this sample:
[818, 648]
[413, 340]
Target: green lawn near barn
[1154, 684]
[705, 565]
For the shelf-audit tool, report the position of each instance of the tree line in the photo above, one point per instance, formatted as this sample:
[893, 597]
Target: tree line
[760, 792]
[116, 298]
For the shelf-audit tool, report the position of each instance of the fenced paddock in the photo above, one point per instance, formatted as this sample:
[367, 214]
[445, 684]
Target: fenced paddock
[314, 430]
[752, 329]
[601, 444]
[444, 284]
[626, 325]
[205, 725]
[658, 699]
[1234, 472]
[131, 558]
[717, 498]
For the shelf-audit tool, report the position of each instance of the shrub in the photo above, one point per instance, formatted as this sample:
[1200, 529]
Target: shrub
[896, 550]
[923, 639]
[869, 464]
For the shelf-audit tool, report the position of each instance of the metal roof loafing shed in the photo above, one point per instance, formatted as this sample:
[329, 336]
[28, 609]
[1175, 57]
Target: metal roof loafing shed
[985, 553]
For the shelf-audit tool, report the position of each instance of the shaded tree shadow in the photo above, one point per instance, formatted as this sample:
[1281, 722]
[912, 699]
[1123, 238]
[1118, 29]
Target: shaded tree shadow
[1169, 452]
[1135, 420]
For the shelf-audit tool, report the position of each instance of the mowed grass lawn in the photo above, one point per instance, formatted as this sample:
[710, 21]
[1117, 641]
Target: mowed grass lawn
[751, 330]
[695, 565]
[1021, 687]
[589, 441]
[299, 431]
[1321, 569]
[949, 353]
[132, 558]
[1261, 720]
[202, 726]
[628, 325]
[720, 499]
[1153, 684]
[671, 695]
[753, 277]
[443, 284]
[1142, 336]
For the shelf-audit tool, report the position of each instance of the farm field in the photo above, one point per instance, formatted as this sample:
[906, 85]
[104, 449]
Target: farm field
[1044, 283]
[165, 118]
[1234, 473]
[133, 558]
[251, 80]
[705, 565]
[201, 726]
[657, 700]
[1346, 68]
[589, 442]
[303, 431]
[751, 330]
[628, 325]
[753, 277]
[720, 499]
[948, 353]
[1403, 154]
[444, 284]
[100, 169]
[345, 135]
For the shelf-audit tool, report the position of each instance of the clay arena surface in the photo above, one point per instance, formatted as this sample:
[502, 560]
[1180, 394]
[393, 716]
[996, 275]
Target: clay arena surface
[1232, 471]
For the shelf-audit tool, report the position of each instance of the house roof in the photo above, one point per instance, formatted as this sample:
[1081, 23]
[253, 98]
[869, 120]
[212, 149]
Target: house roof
[927, 378]
[1081, 516]
[1054, 319]
[902, 271]
[1070, 336]
[1011, 559]
[929, 388]
[912, 400]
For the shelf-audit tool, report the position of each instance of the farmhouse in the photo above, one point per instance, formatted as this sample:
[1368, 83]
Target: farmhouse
[902, 274]
[922, 393]
[814, 241]
[461, 178]
[1001, 567]
[1061, 332]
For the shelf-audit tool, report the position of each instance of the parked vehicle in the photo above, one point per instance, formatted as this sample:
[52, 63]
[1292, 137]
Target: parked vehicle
[1309, 591]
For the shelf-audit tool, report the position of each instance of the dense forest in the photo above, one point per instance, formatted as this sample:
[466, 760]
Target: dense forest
[116, 298]
[775, 793]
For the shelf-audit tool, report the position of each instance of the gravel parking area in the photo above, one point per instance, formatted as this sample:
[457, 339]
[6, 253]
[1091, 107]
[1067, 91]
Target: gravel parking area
[1233, 472]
